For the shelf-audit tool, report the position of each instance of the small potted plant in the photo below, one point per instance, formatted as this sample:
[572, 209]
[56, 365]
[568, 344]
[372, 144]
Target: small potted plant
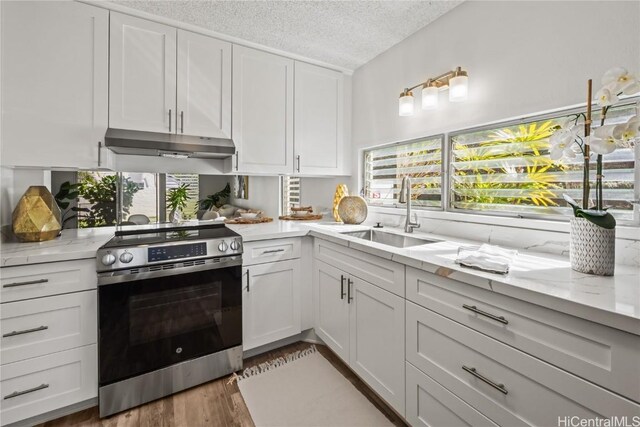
[177, 199]
[592, 243]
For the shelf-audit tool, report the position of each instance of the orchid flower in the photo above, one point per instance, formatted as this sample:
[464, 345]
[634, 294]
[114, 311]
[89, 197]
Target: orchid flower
[618, 80]
[603, 140]
[631, 129]
[607, 96]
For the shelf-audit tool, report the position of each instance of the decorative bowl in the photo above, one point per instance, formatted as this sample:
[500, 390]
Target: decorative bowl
[248, 215]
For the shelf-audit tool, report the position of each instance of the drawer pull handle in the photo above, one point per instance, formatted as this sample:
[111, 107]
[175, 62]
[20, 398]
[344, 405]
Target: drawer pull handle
[500, 387]
[475, 309]
[25, 331]
[273, 251]
[30, 282]
[31, 390]
[248, 281]
[342, 293]
[349, 297]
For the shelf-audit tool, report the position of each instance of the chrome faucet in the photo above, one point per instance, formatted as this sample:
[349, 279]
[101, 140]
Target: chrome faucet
[405, 197]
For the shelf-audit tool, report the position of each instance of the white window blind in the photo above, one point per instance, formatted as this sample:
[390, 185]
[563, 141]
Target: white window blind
[290, 196]
[421, 160]
[507, 169]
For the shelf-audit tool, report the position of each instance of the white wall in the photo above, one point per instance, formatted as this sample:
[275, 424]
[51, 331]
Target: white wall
[522, 57]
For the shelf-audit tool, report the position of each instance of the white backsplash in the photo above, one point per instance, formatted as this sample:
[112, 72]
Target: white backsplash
[553, 242]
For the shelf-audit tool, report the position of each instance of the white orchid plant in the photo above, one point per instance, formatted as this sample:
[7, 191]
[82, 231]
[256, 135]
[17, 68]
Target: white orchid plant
[577, 137]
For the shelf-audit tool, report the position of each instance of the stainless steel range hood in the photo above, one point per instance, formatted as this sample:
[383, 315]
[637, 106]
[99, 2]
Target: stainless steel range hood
[123, 141]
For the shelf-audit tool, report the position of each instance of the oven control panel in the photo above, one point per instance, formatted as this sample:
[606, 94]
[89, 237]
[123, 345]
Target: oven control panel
[168, 253]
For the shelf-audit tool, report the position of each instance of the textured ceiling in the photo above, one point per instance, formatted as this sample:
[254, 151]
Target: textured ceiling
[342, 33]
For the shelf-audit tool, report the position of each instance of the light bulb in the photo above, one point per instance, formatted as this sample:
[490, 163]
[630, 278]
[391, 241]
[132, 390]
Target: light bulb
[429, 97]
[405, 104]
[458, 88]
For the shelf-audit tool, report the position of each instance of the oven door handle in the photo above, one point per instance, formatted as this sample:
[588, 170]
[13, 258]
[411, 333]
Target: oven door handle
[113, 277]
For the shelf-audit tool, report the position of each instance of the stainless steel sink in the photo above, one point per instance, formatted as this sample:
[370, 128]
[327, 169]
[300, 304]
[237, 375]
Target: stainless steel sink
[390, 239]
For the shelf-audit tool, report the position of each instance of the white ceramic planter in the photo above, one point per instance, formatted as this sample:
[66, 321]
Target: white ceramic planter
[593, 248]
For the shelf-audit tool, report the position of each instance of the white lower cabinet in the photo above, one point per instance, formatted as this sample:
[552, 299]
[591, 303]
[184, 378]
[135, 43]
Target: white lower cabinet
[40, 326]
[506, 385]
[35, 386]
[364, 325]
[430, 404]
[271, 302]
[332, 309]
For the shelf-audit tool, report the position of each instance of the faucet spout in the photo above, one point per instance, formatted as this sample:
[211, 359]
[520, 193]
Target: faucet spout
[405, 197]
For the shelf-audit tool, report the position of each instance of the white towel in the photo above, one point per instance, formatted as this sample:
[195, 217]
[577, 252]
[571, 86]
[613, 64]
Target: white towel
[487, 257]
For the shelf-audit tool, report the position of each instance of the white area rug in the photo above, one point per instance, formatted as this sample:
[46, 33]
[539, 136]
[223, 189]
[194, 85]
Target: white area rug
[304, 389]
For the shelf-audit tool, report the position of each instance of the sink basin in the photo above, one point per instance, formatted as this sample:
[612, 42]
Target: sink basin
[390, 239]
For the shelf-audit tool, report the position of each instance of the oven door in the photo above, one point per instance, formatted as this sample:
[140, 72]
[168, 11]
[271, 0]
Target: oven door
[151, 320]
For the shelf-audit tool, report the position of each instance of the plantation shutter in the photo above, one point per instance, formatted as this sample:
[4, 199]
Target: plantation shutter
[508, 169]
[290, 193]
[421, 160]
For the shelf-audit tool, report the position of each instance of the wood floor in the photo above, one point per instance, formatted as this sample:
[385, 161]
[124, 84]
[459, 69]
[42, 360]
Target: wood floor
[216, 403]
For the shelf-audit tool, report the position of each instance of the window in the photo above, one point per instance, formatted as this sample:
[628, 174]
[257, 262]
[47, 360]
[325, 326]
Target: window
[420, 159]
[107, 198]
[290, 193]
[506, 169]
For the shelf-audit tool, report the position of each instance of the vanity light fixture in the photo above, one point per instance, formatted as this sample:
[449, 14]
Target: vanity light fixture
[456, 81]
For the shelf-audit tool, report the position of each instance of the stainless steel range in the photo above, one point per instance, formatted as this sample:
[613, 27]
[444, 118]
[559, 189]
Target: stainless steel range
[170, 311]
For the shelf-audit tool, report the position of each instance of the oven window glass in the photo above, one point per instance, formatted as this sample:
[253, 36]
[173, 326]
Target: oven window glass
[152, 323]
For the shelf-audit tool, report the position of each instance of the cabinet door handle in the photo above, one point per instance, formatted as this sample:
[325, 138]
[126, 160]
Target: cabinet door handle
[272, 251]
[500, 387]
[30, 390]
[349, 297]
[237, 156]
[25, 331]
[248, 280]
[476, 310]
[342, 294]
[29, 282]
[99, 152]
[169, 119]
[298, 159]
[181, 121]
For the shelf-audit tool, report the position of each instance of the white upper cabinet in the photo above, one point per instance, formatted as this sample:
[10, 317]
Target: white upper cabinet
[262, 123]
[54, 84]
[319, 115]
[204, 86]
[142, 91]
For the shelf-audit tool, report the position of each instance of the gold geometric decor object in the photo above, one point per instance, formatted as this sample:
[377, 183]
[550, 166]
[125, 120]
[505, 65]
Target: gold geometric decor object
[341, 191]
[36, 218]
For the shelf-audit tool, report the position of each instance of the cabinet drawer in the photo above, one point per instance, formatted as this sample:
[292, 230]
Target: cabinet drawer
[33, 387]
[430, 404]
[381, 272]
[506, 385]
[270, 250]
[46, 325]
[41, 280]
[590, 350]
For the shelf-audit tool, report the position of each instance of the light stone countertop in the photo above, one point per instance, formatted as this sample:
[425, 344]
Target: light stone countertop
[538, 278]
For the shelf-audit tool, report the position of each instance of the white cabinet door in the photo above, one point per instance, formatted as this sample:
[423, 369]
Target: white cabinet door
[262, 123]
[377, 340]
[204, 86]
[332, 308]
[54, 84]
[319, 127]
[270, 303]
[142, 72]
